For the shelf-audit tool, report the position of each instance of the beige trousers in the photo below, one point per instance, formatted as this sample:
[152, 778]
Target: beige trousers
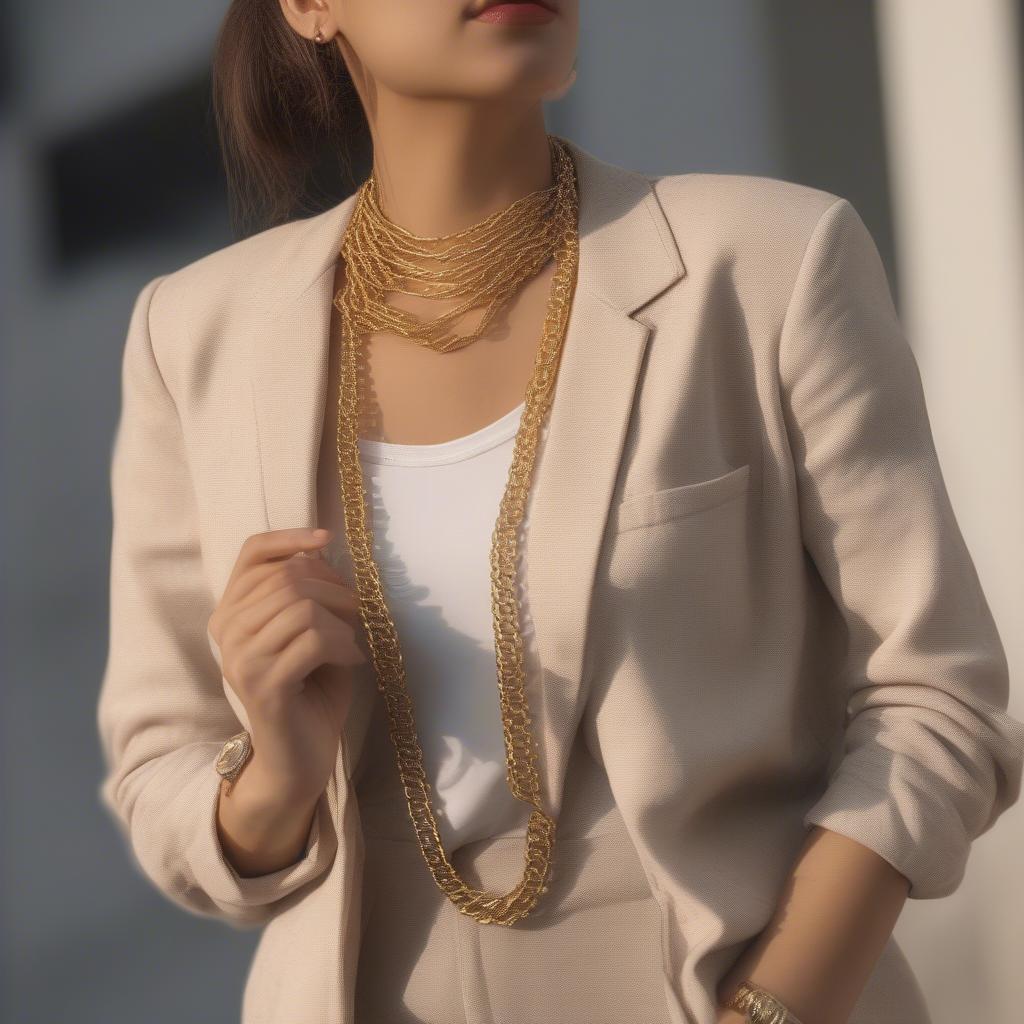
[590, 951]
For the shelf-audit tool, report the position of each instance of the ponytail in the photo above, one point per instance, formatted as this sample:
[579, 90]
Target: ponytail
[280, 102]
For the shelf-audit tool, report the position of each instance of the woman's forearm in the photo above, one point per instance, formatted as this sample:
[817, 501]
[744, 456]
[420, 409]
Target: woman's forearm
[834, 917]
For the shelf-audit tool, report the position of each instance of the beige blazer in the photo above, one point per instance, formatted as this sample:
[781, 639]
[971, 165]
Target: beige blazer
[749, 592]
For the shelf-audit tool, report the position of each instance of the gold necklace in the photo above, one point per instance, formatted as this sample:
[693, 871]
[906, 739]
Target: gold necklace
[487, 261]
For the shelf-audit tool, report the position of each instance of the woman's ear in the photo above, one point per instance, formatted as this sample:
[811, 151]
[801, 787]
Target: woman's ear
[560, 90]
[311, 19]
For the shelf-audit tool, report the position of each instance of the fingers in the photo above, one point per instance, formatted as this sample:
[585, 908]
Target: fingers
[275, 545]
[267, 626]
[312, 648]
[301, 577]
[262, 556]
[296, 641]
[274, 596]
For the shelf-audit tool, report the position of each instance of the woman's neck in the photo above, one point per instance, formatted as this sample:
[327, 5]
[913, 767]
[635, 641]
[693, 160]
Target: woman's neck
[439, 170]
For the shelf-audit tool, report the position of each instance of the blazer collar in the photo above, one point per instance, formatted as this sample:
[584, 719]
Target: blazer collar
[628, 256]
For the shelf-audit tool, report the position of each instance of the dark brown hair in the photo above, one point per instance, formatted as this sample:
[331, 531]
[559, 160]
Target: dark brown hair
[280, 102]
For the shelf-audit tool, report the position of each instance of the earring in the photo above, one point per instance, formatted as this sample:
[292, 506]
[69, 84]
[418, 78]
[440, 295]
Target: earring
[318, 36]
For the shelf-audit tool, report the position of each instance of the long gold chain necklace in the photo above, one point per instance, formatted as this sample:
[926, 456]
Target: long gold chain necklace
[488, 261]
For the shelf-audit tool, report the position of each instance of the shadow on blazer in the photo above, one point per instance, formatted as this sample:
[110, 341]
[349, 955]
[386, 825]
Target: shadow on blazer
[749, 592]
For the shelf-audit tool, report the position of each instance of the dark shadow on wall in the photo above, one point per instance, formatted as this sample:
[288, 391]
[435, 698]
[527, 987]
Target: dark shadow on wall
[145, 170]
[152, 169]
[831, 116]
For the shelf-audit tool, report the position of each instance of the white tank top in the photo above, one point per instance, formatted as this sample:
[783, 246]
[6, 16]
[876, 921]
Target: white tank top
[434, 509]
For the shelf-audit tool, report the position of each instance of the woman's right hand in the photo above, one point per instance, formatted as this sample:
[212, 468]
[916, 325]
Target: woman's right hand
[285, 626]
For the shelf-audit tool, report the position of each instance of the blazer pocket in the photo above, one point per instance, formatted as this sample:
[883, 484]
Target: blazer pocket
[669, 503]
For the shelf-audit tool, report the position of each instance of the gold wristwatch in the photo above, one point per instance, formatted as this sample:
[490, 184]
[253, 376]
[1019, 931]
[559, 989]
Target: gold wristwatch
[234, 756]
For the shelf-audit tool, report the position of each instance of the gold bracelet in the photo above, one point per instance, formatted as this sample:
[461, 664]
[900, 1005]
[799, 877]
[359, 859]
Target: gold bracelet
[760, 1007]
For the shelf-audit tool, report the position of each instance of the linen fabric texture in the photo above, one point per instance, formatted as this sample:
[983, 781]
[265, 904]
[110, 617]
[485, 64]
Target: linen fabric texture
[753, 607]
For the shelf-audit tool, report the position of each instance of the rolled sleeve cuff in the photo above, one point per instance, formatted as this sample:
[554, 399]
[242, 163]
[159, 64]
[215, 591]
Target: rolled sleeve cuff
[916, 835]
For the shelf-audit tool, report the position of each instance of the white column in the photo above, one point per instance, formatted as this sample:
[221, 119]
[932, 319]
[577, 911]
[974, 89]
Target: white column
[952, 91]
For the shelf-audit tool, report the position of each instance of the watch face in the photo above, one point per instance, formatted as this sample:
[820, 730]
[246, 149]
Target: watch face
[232, 754]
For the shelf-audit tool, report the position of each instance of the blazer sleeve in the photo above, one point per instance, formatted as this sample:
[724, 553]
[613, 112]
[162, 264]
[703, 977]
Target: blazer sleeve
[930, 757]
[162, 713]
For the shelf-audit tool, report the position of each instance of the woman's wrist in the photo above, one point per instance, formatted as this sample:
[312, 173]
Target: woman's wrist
[263, 825]
[269, 792]
[726, 1016]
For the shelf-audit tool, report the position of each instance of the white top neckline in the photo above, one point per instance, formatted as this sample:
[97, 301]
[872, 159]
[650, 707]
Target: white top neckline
[444, 452]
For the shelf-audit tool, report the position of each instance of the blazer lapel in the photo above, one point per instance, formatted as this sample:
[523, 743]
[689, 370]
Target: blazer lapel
[288, 368]
[620, 219]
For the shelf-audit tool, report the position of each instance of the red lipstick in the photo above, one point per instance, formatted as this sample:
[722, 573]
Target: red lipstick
[522, 13]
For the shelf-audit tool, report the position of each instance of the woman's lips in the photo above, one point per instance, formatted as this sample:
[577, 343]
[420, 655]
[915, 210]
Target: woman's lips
[519, 13]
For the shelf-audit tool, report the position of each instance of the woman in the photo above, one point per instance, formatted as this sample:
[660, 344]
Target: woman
[646, 673]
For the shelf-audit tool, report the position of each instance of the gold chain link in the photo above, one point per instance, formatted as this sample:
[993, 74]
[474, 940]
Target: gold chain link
[489, 261]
